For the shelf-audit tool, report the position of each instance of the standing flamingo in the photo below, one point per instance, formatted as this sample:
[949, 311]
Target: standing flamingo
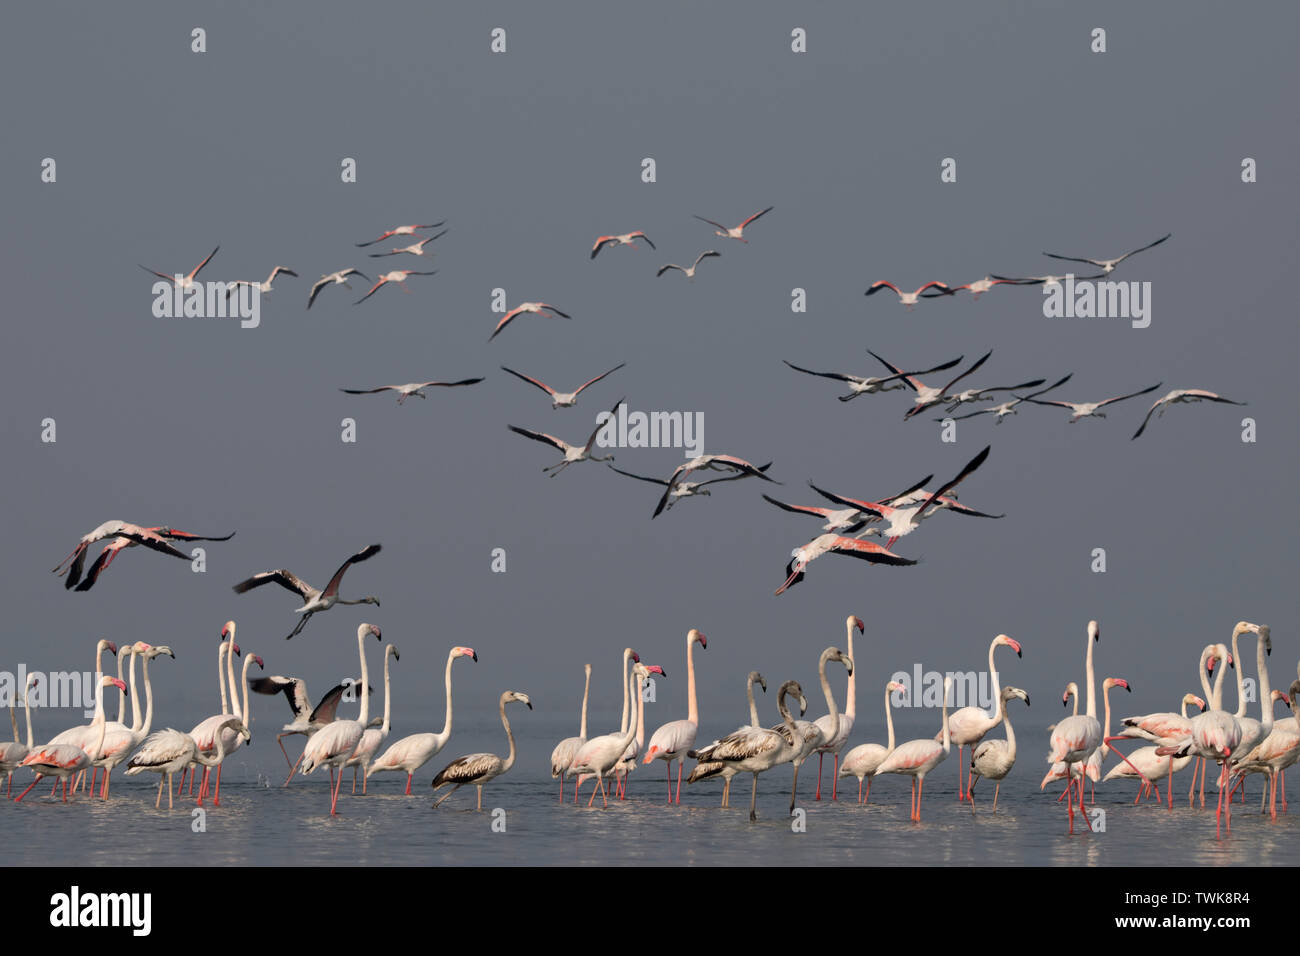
[1092, 770]
[995, 758]
[1145, 762]
[727, 771]
[673, 740]
[916, 758]
[564, 752]
[206, 732]
[599, 755]
[968, 725]
[834, 739]
[864, 760]
[63, 760]
[627, 763]
[332, 745]
[118, 744]
[810, 734]
[169, 750]
[1279, 750]
[414, 751]
[373, 737]
[1074, 739]
[478, 769]
[12, 754]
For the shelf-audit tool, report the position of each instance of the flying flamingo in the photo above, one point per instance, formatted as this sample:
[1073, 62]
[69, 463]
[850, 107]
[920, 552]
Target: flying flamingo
[313, 600]
[414, 751]
[1108, 265]
[1074, 739]
[478, 769]
[63, 760]
[686, 489]
[536, 308]
[910, 299]
[864, 760]
[12, 754]
[689, 273]
[118, 744]
[572, 453]
[373, 737]
[916, 758]
[710, 463]
[168, 751]
[334, 278]
[334, 743]
[562, 399]
[1080, 410]
[398, 276]
[564, 752]
[674, 739]
[995, 758]
[400, 231]
[968, 725]
[410, 388]
[414, 249]
[626, 239]
[186, 281]
[869, 386]
[1004, 409]
[809, 736]
[264, 286]
[754, 749]
[120, 543]
[1144, 762]
[734, 232]
[73, 563]
[727, 771]
[1182, 395]
[829, 543]
[306, 719]
[833, 736]
[1046, 281]
[599, 754]
[976, 288]
[971, 395]
[928, 396]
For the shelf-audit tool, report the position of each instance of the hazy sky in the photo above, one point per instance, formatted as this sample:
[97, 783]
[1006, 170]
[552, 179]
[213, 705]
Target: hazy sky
[163, 154]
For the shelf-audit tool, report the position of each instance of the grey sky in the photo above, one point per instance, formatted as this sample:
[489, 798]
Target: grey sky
[163, 154]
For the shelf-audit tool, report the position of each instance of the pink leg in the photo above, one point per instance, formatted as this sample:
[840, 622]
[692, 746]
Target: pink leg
[29, 788]
[960, 792]
[294, 769]
[820, 757]
[408, 787]
[679, 782]
[835, 780]
[859, 789]
[867, 798]
[668, 767]
[920, 792]
[216, 800]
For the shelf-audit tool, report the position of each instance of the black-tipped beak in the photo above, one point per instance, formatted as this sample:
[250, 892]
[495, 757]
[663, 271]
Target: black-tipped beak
[1026, 700]
[474, 657]
[530, 704]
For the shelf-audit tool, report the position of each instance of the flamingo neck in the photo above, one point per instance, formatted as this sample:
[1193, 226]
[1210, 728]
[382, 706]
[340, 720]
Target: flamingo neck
[586, 689]
[98, 749]
[121, 695]
[1241, 677]
[749, 693]
[851, 695]
[630, 732]
[622, 727]
[364, 717]
[1216, 695]
[830, 697]
[510, 738]
[1265, 691]
[1092, 680]
[387, 694]
[148, 700]
[13, 716]
[446, 721]
[230, 680]
[640, 719]
[947, 739]
[692, 707]
[998, 709]
[787, 719]
[1206, 691]
[27, 709]
[889, 722]
[1011, 733]
[1105, 698]
[136, 722]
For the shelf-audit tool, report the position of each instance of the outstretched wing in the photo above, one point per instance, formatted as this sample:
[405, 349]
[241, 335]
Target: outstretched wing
[283, 577]
[368, 551]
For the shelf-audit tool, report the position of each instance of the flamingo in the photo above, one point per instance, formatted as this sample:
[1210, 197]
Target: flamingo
[80, 736]
[564, 752]
[414, 751]
[414, 249]
[73, 563]
[264, 286]
[689, 273]
[1092, 770]
[627, 763]
[478, 769]
[334, 743]
[971, 395]
[1046, 281]
[120, 543]
[735, 232]
[205, 734]
[183, 281]
[995, 758]
[313, 600]
[710, 463]
[12, 754]
[869, 386]
[910, 299]
[840, 520]
[674, 739]
[64, 760]
[1107, 266]
[1252, 730]
[562, 399]
[599, 755]
[686, 489]
[968, 725]
[1074, 739]
[927, 396]
[536, 308]
[916, 758]
[754, 749]
[626, 239]
[1279, 750]
[334, 278]
[976, 288]
[373, 737]
[572, 453]
[400, 231]
[810, 735]
[223, 649]
[168, 751]
[1144, 762]
[830, 543]
[1003, 409]
[1209, 658]
[864, 760]
[836, 733]
[399, 276]
[118, 744]
[410, 388]
[727, 771]
[1182, 395]
[1080, 410]
[306, 719]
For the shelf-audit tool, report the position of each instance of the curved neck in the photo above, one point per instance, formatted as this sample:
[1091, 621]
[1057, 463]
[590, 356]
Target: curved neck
[505, 722]
[446, 721]
[889, 721]
[148, 699]
[826, 691]
[640, 719]
[230, 679]
[121, 695]
[851, 694]
[388, 655]
[13, 716]
[630, 732]
[99, 660]
[749, 693]
[1241, 677]
[1183, 709]
[692, 707]
[1206, 692]
[241, 712]
[586, 689]
[622, 727]
[216, 758]
[1092, 680]
[1105, 699]
[787, 719]
[1216, 695]
[1011, 733]
[997, 685]
[364, 717]
[136, 720]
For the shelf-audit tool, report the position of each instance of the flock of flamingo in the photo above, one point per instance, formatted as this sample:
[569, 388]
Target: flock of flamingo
[1078, 746]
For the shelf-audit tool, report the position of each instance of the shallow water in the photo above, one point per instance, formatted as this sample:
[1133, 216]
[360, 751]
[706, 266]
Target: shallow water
[260, 823]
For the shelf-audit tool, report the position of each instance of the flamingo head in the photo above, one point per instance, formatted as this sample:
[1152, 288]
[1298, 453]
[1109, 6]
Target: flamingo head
[855, 621]
[228, 630]
[32, 681]
[237, 725]
[1071, 690]
[113, 682]
[835, 654]
[1118, 682]
[158, 651]
[1010, 642]
[392, 649]
[1094, 631]
[895, 687]
[258, 660]
[1009, 692]
[1193, 699]
[514, 695]
[365, 629]
[235, 648]
[756, 678]
[632, 655]
[791, 688]
[140, 647]
[469, 652]
[106, 645]
[655, 669]
[694, 636]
